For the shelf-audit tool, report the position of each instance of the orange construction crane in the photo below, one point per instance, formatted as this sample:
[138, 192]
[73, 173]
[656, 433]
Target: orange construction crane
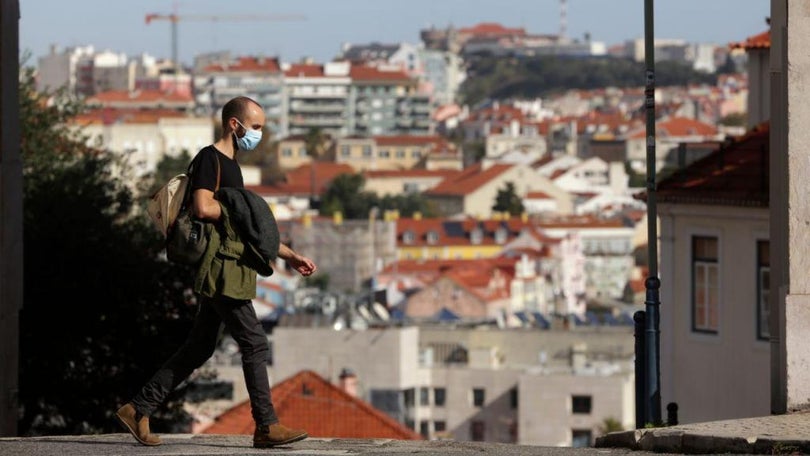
[175, 18]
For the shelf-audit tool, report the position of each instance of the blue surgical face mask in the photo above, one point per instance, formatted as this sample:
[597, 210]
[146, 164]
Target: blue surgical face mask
[250, 140]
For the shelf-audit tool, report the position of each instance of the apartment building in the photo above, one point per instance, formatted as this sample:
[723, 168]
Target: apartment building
[404, 182]
[670, 133]
[472, 192]
[84, 72]
[607, 245]
[388, 102]
[259, 78]
[144, 136]
[538, 387]
[349, 252]
[398, 152]
[317, 97]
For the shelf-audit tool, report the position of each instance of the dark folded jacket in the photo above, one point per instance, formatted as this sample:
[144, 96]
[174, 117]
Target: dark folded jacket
[253, 219]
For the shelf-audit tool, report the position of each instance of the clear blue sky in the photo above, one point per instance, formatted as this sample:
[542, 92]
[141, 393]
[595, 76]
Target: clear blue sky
[119, 25]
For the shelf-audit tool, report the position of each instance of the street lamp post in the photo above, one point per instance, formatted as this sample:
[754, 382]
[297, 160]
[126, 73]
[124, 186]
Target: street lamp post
[652, 373]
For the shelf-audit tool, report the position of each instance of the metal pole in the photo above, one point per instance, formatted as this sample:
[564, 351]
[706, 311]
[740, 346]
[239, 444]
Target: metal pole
[640, 358]
[11, 225]
[652, 302]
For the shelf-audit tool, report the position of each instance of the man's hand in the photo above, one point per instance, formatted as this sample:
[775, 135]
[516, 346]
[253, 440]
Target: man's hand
[300, 263]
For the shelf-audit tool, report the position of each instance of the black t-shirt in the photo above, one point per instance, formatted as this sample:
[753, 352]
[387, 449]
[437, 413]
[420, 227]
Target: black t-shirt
[204, 171]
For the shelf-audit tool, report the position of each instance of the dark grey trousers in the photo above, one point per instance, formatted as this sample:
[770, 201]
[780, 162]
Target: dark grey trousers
[243, 325]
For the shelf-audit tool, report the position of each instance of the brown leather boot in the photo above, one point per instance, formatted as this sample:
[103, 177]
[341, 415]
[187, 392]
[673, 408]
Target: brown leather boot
[276, 434]
[137, 425]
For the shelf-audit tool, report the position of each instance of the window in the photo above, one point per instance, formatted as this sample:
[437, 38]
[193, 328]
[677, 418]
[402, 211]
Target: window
[477, 431]
[408, 237]
[439, 396]
[345, 151]
[476, 236]
[286, 152]
[581, 404]
[424, 396]
[581, 438]
[705, 284]
[763, 289]
[384, 153]
[400, 153]
[432, 237]
[367, 151]
[513, 398]
[478, 397]
[408, 398]
[500, 235]
[424, 428]
[439, 426]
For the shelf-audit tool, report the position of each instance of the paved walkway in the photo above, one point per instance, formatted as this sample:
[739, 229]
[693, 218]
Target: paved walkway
[775, 434]
[778, 434]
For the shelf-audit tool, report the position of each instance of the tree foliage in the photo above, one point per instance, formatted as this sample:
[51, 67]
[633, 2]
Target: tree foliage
[507, 200]
[102, 310]
[346, 194]
[498, 78]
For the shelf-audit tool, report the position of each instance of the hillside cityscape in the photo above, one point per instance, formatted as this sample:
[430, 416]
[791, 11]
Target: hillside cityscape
[476, 205]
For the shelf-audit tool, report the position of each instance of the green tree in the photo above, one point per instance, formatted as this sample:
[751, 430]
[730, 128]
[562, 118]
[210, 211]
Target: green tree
[345, 194]
[101, 309]
[167, 168]
[315, 142]
[508, 201]
[407, 204]
[496, 77]
[609, 425]
[735, 119]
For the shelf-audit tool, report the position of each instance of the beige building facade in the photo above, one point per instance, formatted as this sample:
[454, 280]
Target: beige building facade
[535, 387]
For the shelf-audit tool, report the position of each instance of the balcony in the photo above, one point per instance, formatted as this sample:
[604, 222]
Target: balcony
[299, 106]
[316, 121]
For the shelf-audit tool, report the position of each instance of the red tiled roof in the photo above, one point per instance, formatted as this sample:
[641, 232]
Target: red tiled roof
[678, 127]
[469, 180]
[407, 140]
[491, 28]
[737, 175]
[370, 73]
[401, 173]
[309, 402]
[107, 116]
[537, 195]
[580, 221]
[138, 96]
[247, 64]
[760, 41]
[304, 70]
[455, 232]
[299, 180]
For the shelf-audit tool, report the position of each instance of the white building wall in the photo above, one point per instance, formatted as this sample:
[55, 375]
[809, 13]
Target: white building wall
[499, 361]
[713, 376]
[546, 417]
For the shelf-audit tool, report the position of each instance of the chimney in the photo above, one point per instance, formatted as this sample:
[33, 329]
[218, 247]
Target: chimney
[348, 381]
[578, 355]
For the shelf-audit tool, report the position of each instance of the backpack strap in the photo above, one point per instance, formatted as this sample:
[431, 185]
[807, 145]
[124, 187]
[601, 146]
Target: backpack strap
[189, 170]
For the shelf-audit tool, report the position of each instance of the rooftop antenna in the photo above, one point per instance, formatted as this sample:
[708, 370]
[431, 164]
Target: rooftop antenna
[563, 19]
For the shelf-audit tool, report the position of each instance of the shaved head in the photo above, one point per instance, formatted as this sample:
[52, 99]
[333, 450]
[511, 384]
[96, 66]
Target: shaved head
[237, 107]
